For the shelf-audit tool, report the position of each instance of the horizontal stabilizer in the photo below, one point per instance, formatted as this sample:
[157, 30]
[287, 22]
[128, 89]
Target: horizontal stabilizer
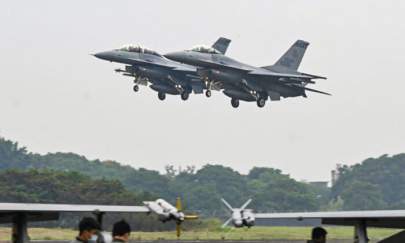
[316, 91]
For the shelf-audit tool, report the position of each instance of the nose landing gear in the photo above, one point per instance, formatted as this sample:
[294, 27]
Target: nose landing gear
[161, 96]
[235, 103]
[136, 88]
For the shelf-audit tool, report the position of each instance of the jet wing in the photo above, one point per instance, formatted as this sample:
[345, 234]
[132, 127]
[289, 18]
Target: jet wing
[377, 218]
[43, 212]
[252, 70]
[163, 65]
[39, 207]
[146, 62]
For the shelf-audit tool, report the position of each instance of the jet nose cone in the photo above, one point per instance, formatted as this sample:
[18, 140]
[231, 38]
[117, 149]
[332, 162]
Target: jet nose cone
[105, 55]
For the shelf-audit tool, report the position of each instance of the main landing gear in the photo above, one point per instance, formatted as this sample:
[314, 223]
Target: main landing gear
[184, 95]
[261, 102]
[136, 84]
[208, 93]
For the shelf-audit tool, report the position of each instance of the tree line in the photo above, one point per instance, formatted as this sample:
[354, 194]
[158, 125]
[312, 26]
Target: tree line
[373, 184]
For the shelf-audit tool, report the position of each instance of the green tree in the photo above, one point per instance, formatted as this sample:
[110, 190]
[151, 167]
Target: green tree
[384, 175]
[361, 195]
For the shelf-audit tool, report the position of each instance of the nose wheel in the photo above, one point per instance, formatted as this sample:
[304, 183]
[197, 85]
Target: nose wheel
[235, 103]
[208, 93]
[161, 96]
[136, 88]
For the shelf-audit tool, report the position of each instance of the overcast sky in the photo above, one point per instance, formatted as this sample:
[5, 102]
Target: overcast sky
[54, 96]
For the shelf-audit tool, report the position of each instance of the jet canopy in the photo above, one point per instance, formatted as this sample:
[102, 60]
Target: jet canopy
[139, 49]
[205, 49]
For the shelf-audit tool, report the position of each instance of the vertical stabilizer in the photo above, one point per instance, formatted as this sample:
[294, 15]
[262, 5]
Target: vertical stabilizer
[227, 204]
[292, 58]
[246, 204]
[221, 44]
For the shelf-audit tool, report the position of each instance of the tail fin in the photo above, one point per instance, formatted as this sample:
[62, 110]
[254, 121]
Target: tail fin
[293, 57]
[246, 204]
[227, 204]
[221, 44]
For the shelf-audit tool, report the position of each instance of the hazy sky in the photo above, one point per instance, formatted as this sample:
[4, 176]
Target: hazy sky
[54, 96]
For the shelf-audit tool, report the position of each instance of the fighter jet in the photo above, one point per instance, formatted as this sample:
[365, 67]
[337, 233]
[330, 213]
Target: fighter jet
[166, 76]
[241, 81]
[361, 220]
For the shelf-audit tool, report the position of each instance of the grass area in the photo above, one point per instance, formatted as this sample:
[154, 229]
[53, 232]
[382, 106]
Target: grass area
[255, 233]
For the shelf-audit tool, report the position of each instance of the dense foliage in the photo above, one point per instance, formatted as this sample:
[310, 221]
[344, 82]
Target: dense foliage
[201, 190]
[62, 187]
[376, 183]
[71, 187]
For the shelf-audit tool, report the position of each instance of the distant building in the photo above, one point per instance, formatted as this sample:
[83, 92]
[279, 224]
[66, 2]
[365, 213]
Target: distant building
[319, 184]
[335, 174]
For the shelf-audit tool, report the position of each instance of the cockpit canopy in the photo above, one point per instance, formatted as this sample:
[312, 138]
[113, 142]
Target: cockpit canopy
[205, 49]
[139, 49]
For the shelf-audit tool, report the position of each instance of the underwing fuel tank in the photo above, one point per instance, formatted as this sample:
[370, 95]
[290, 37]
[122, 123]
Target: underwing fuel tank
[213, 74]
[164, 89]
[240, 95]
[152, 73]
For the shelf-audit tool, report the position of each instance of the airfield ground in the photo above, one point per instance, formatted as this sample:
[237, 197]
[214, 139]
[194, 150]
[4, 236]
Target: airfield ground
[256, 233]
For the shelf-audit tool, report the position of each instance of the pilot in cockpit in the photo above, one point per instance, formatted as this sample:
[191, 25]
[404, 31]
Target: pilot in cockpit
[205, 49]
[138, 49]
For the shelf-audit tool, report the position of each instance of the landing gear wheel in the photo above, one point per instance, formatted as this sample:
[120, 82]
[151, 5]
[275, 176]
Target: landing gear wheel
[208, 93]
[136, 88]
[235, 103]
[184, 95]
[161, 96]
[261, 102]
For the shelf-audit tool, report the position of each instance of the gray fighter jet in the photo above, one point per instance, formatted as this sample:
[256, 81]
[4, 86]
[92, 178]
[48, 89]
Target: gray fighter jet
[241, 81]
[166, 76]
